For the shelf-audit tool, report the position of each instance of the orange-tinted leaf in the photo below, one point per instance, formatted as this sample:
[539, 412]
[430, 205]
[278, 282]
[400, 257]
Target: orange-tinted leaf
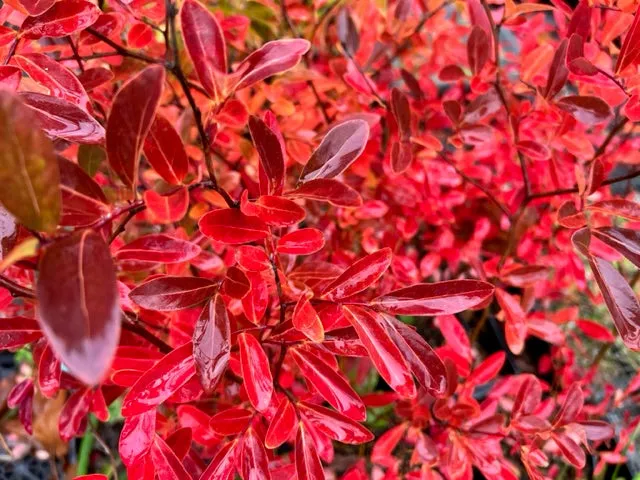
[158, 248]
[79, 307]
[131, 117]
[212, 343]
[629, 52]
[570, 217]
[619, 207]
[515, 330]
[273, 210]
[166, 208]
[306, 319]
[61, 19]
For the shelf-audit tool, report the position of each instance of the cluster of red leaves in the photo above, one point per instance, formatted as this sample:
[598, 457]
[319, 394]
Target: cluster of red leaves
[233, 233]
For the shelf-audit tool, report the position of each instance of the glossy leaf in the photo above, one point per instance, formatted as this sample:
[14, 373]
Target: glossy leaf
[168, 293]
[212, 343]
[79, 308]
[586, 109]
[331, 384]
[629, 53]
[618, 207]
[18, 331]
[282, 426]
[34, 196]
[359, 276]
[231, 421]
[308, 465]
[167, 465]
[327, 190]
[335, 425]
[205, 44]
[306, 319]
[165, 152]
[271, 156]
[340, 147]
[222, 467]
[623, 240]
[61, 19]
[159, 248]
[274, 211]
[272, 58]
[167, 208]
[441, 298]
[304, 241]
[384, 353]
[130, 120]
[161, 381]
[254, 460]
[256, 373]
[231, 226]
[136, 437]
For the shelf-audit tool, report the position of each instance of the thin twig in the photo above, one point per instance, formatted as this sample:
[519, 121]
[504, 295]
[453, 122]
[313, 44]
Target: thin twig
[123, 50]
[15, 289]
[132, 326]
[76, 56]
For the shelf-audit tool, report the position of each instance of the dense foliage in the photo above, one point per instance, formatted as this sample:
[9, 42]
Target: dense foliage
[324, 239]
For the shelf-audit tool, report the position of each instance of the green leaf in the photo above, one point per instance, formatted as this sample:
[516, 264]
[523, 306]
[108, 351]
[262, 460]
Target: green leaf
[28, 168]
[90, 157]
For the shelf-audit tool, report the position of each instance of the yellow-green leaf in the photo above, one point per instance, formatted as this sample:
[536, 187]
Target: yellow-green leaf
[28, 169]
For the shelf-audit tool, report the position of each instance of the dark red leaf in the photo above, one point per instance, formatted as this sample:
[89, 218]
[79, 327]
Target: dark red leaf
[36, 7]
[623, 240]
[130, 120]
[441, 298]
[272, 58]
[274, 211]
[586, 109]
[347, 32]
[334, 425]
[205, 44]
[327, 190]
[73, 416]
[168, 293]
[158, 248]
[629, 52]
[18, 331]
[49, 371]
[340, 147]
[478, 49]
[79, 307]
[212, 343]
[558, 71]
[270, 152]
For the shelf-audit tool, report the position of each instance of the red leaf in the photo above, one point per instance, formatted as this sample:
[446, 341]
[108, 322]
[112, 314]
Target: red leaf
[272, 58]
[222, 467]
[330, 383]
[340, 147]
[423, 361]
[327, 190]
[130, 120]
[533, 150]
[93, 78]
[161, 381]
[623, 240]
[255, 303]
[139, 35]
[63, 119]
[488, 369]
[61, 19]
[10, 77]
[515, 330]
[586, 109]
[79, 308]
[306, 319]
[205, 44]
[166, 208]
[595, 331]
[73, 416]
[165, 152]
[359, 276]
[570, 217]
[270, 152]
[282, 426]
[236, 284]
[384, 353]
[441, 298]
[304, 241]
[308, 465]
[136, 437]
[253, 259]
[60, 81]
[401, 112]
[231, 226]
[49, 371]
[571, 407]
[254, 363]
[528, 397]
[158, 248]
[570, 449]
[18, 331]
[618, 207]
[36, 7]
[274, 211]
[619, 297]
[212, 343]
[335, 425]
[167, 293]
[167, 465]
[347, 32]
[231, 421]
[629, 52]
[558, 71]
[478, 49]
[254, 460]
